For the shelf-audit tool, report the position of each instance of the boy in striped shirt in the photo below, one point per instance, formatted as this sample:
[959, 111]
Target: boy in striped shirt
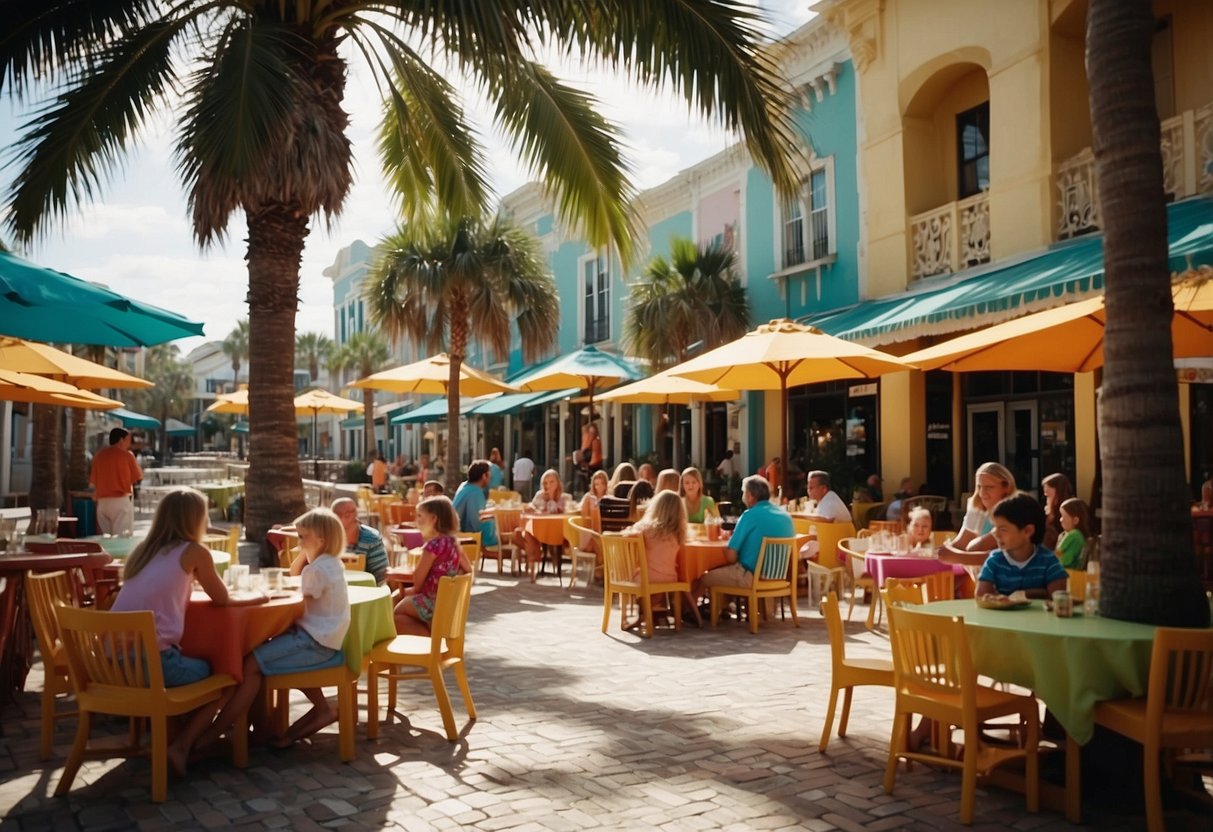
[1020, 563]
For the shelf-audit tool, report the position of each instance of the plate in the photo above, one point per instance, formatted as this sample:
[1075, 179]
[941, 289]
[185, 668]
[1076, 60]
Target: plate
[1003, 604]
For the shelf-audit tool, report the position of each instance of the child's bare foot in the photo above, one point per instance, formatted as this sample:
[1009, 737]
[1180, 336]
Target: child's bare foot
[314, 720]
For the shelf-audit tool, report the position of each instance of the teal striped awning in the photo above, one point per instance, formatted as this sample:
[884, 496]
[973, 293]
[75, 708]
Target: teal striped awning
[509, 402]
[131, 419]
[998, 291]
[434, 411]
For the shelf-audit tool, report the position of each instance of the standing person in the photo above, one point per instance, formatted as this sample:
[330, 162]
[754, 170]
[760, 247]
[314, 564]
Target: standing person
[727, 468]
[471, 498]
[158, 576]
[761, 519]
[698, 505]
[496, 474]
[313, 642]
[588, 458]
[1057, 490]
[114, 475]
[524, 469]
[360, 539]
[773, 473]
[378, 472]
[440, 556]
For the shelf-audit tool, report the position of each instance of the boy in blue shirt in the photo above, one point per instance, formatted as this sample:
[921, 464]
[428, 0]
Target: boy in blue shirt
[1020, 563]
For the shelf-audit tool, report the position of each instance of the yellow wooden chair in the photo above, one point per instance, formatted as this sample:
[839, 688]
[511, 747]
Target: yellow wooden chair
[470, 543]
[428, 657]
[1077, 584]
[574, 527]
[938, 586]
[353, 562]
[846, 675]
[1176, 712]
[504, 495]
[934, 676]
[507, 520]
[44, 592]
[277, 689]
[774, 577]
[826, 572]
[626, 574]
[115, 669]
[855, 549]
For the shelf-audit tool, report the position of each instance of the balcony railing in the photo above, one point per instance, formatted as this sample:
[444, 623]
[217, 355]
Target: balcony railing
[1187, 169]
[951, 237]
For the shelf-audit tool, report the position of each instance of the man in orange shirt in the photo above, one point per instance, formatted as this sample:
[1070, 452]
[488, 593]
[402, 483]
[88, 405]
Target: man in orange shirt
[114, 475]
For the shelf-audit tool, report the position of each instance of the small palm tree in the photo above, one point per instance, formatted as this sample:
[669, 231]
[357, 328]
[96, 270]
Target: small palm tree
[364, 353]
[169, 398]
[311, 350]
[443, 281]
[694, 297]
[236, 347]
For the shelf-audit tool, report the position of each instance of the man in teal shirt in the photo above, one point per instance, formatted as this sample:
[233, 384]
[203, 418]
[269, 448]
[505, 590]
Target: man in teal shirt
[471, 498]
[760, 519]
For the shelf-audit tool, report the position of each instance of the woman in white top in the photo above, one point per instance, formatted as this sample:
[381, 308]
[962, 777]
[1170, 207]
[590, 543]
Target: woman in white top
[549, 500]
[992, 483]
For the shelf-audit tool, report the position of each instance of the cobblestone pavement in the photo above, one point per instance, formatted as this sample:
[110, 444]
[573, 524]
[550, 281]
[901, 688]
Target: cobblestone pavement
[577, 729]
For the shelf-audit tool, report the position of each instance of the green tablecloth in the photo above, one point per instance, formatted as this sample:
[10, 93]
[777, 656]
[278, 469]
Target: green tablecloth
[1069, 663]
[221, 493]
[356, 578]
[222, 560]
[118, 547]
[370, 623]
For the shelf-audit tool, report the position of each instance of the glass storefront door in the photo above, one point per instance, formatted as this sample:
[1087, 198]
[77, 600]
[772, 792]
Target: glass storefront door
[1007, 432]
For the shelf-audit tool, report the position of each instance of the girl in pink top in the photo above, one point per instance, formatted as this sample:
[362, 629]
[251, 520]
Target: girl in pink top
[158, 576]
[664, 528]
[441, 556]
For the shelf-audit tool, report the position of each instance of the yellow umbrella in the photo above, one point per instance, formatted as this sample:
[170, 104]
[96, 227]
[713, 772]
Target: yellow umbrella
[44, 360]
[36, 389]
[666, 388]
[234, 403]
[783, 354]
[432, 376]
[1069, 339]
[316, 402]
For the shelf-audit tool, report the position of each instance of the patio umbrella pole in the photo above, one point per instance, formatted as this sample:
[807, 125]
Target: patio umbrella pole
[315, 458]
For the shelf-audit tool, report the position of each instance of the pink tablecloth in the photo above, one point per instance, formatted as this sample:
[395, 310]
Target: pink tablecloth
[409, 538]
[884, 566]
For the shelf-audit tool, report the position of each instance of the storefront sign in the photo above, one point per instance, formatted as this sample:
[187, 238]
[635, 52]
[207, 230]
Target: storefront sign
[862, 390]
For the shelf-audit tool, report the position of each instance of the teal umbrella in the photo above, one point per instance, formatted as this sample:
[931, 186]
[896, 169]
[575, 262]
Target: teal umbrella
[45, 305]
[131, 419]
[175, 427]
[585, 369]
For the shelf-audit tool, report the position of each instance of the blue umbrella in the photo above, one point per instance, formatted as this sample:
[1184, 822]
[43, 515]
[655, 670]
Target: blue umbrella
[585, 369]
[131, 419]
[45, 305]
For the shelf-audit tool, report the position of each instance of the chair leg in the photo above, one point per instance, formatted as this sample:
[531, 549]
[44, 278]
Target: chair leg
[901, 728]
[46, 745]
[159, 759]
[606, 605]
[825, 732]
[1155, 820]
[346, 692]
[968, 777]
[713, 607]
[677, 611]
[1032, 765]
[238, 734]
[792, 604]
[755, 613]
[372, 701]
[76, 756]
[461, 677]
[444, 703]
[846, 711]
[646, 607]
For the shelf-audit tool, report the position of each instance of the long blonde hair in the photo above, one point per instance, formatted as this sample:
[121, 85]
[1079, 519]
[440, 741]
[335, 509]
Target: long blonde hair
[327, 527]
[180, 518]
[669, 480]
[999, 472]
[694, 474]
[551, 472]
[665, 515]
[595, 477]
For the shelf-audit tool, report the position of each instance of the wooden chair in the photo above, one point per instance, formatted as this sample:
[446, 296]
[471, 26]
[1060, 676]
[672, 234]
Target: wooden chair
[401, 512]
[287, 554]
[934, 676]
[626, 574]
[902, 591]
[277, 689]
[428, 657]
[504, 495]
[44, 592]
[1176, 712]
[774, 577]
[826, 572]
[508, 520]
[1077, 584]
[847, 675]
[353, 562]
[115, 669]
[855, 549]
[938, 586]
[615, 512]
[574, 527]
[470, 543]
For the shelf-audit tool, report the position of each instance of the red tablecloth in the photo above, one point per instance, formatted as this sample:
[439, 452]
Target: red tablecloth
[224, 635]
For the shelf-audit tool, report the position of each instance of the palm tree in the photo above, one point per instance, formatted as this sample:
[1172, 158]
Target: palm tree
[259, 86]
[695, 297]
[1149, 571]
[312, 348]
[77, 463]
[364, 353]
[169, 398]
[236, 347]
[442, 282]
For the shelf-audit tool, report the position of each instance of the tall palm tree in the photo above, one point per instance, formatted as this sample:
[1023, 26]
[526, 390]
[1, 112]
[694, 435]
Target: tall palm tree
[258, 86]
[1149, 571]
[695, 297]
[311, 349]
[444, 282]
[364, 353]
[236, 347]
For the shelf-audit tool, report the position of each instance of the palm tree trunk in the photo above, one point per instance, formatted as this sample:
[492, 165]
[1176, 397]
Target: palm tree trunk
[77, 476]
[274, 490]
[44, 489]
[1149, 570]
[368, 420]
[459, 343]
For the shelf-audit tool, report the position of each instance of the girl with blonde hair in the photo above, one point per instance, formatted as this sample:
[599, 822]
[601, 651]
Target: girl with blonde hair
[549, 500]
[698, 504]
[664, 529]
[992, 482]
[667, 480]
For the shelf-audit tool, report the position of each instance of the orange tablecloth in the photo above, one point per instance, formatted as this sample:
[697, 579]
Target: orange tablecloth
[548, 529]
[698, 556]
[224, 635]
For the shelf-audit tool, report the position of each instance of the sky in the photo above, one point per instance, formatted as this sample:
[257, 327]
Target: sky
[135, 237]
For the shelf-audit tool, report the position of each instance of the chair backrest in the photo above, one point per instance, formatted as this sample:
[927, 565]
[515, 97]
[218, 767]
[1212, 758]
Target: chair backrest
[938, 538]
[623, 488]
[854, 548]
[931, 654]
[903, 591]
[838, 637]
[366, 498]
[471, 544]
[508, 519]
[287, 554]
[575, 527]
[115, 652]
[1181, 676]
[623, 559]
[451, 613]
[828, 535]
[233, 542]
[501, 495]
[353, 562]
[401, 512]
[45, 592]
[776, 561]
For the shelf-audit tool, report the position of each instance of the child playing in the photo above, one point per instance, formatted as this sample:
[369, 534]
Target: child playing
[1020, 563]
[1076, 521]
[441, 556]
[313, 642]
[158, 576]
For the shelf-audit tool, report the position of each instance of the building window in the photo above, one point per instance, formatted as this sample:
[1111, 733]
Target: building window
[215, 385]
[973, 150]
[596, 298]
[814, 240]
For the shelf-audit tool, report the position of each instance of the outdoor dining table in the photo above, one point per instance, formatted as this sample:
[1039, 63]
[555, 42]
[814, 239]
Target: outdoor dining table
[1067, 663]
[548, 529]
[884, 565]
[220, 492]
[223, 635]
[697, 557]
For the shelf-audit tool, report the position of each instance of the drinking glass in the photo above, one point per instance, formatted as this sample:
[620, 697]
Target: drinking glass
[273, 578]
